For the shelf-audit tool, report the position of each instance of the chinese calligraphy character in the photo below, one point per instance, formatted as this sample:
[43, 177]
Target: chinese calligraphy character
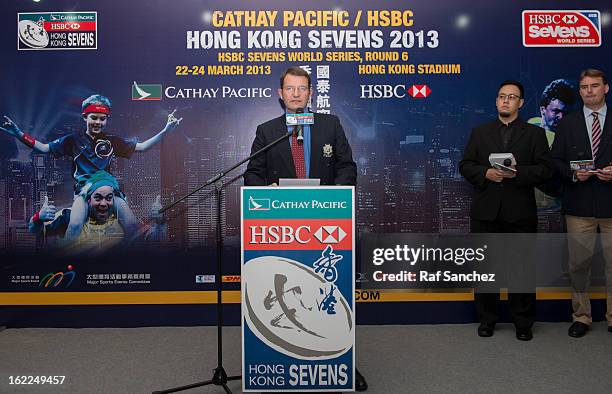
[322, 72]
[326, 264]
[329, 302]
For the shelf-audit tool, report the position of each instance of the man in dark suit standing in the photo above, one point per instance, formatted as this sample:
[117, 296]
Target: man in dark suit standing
[324, 153]
[587, 198]
[503, 200]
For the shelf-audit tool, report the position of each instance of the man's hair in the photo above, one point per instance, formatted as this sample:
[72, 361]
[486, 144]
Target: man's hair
[559, 89]
[515, 83]
[593, 73]
[295, 71]
[96, 99]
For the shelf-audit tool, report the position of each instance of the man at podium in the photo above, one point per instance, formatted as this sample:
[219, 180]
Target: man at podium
[317, 149]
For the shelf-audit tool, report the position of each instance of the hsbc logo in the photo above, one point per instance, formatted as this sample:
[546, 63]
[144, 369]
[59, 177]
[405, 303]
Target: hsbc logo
[382, 91]
[393, 91]
[330, 234]
[558, 28]
[286, 234]
[419, 91]
[569, 19]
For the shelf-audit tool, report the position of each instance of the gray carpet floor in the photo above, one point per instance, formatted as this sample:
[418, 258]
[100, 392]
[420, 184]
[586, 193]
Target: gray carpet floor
[394, 359]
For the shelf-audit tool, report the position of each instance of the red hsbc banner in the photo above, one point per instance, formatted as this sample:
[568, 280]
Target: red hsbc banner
[69, 26]
[561, 28]
[296, 234]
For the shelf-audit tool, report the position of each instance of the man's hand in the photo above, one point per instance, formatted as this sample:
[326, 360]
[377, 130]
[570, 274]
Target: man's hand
[47, 212]
[509, 174]
[10, 128]
[495, 175]
[172, 121]
[583, 175]
[605, 174]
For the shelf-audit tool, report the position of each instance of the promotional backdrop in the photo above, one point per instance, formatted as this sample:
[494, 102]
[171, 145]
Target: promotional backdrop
[407, 80]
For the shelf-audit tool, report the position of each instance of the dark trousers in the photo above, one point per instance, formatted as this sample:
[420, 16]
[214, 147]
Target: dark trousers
[522, 305]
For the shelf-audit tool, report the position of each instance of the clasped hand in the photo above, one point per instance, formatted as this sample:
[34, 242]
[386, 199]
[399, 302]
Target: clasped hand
[496, 175]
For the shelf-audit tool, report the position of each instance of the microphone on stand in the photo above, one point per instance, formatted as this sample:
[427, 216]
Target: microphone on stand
[299, 129]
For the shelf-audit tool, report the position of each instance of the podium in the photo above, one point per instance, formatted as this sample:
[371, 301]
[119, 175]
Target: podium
[298, 288]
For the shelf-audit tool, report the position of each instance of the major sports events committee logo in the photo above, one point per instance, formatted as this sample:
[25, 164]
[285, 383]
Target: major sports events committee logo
[561, 28]
[142, 92]
[57, 30]
[58, 279]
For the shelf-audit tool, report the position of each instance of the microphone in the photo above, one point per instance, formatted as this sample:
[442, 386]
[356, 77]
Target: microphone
[300, 128]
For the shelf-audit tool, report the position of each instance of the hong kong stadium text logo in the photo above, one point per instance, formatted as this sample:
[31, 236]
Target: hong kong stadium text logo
[58, 279]
[561, 28]
[57, 30]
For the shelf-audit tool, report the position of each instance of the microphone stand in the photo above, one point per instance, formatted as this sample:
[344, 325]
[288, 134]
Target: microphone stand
[220, 377]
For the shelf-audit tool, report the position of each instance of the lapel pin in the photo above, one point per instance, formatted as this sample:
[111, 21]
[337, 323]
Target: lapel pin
[328, 151]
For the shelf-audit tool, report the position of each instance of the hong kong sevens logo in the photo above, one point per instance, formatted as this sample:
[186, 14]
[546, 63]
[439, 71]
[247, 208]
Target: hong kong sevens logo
[103, 149]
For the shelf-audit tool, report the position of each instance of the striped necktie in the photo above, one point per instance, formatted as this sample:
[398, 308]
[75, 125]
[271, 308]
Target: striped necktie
[595, 134]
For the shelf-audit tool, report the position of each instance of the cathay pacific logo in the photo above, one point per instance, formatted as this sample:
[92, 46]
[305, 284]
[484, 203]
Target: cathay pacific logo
[259, 204]
[146, 92]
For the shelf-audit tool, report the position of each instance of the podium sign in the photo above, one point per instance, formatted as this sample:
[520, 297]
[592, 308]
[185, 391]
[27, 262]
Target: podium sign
[298, 286]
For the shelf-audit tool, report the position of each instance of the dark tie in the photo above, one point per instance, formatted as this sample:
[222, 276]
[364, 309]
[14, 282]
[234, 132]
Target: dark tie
[506, 133]
[595, 134]
[297, 151]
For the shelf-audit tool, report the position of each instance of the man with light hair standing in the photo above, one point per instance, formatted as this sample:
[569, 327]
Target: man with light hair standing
[587, 198]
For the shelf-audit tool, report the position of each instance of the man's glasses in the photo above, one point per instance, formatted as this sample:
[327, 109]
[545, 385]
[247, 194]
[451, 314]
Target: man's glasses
[509, 97]
[291, 89]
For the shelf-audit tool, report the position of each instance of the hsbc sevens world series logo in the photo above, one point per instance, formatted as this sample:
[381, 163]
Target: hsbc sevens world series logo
[561, 28]
[55, 279]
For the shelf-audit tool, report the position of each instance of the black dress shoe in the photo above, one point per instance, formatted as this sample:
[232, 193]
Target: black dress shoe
[524, 334]
[577, 329]
[360, 382]
[609, 328]
[485, 330]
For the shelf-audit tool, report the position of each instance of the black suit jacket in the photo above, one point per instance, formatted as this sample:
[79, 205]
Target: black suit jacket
[512, 200]
[591, 198]
[335, 168]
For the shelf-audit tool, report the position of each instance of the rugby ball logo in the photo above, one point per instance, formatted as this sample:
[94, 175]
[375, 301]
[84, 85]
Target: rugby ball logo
[281, 299]
[33, 34]
[561, 28]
